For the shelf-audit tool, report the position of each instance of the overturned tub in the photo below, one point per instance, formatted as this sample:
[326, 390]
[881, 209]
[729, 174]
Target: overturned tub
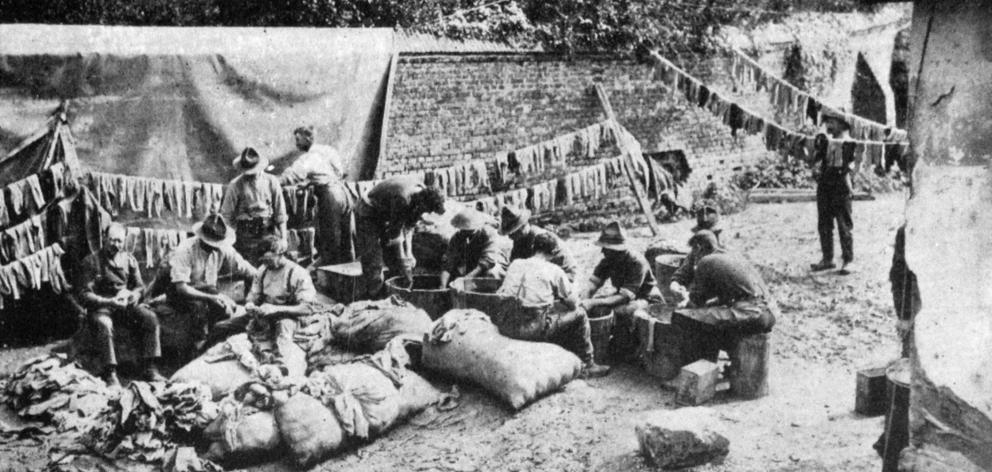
[425, 293]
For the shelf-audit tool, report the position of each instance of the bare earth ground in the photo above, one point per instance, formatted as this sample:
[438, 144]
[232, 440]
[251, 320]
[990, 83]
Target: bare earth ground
[830, 326]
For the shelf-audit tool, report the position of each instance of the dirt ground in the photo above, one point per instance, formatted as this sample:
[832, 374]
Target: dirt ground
[830, 326]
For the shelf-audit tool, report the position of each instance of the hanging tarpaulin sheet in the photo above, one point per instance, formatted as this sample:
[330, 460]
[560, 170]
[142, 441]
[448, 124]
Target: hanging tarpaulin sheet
[180, 103]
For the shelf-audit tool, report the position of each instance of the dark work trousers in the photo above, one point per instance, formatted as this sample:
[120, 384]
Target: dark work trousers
[833, 203]
[205, 314]
[251, 234]
[135, 318]
[707, 330]
[554, 324]
[332, 225]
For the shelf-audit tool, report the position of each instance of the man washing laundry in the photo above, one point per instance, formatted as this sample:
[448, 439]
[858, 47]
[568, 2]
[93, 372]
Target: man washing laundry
[474, 250]
[515, 223]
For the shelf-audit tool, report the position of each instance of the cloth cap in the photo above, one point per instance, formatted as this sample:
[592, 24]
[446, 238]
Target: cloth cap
[704, 236]
[250, 162]
[214, 231]
[511, 219]
[838, 116]
[613, 237]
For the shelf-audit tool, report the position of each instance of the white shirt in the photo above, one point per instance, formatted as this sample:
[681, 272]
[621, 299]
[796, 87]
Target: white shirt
[321, 164]
[535, 282]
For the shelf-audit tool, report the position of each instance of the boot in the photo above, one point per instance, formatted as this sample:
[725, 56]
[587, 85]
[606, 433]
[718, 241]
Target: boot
[822, 265]
[847, 269]
[109, 377]
[152, 374]
[593, 370]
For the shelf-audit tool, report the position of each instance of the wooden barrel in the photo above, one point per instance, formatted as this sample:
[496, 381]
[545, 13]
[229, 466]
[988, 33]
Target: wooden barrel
[660, 343]
[426, 293]
[898, 376]
[665, 266]
[749, 356]
[506, 312]
[600, 329]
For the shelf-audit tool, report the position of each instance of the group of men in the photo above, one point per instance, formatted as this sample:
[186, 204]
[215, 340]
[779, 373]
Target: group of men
[246, 241]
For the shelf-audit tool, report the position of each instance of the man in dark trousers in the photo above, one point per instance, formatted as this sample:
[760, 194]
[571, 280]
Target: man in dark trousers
[834, 192]
[515, 223]
[474, 250]
[110, 286]
[321, 167]
[707, 218]
[728, 298]
[630, 275]
[384, 222]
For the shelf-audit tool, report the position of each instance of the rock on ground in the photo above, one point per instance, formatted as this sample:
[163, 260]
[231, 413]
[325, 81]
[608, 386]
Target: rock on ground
[673, 439]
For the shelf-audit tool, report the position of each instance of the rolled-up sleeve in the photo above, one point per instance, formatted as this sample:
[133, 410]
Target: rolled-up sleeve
[279, 213]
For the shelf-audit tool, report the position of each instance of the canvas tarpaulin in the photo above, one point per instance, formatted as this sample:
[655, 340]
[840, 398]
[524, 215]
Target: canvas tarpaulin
[180, 103]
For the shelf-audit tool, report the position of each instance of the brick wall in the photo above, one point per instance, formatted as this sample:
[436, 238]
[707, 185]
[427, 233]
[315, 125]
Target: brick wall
[451, 108]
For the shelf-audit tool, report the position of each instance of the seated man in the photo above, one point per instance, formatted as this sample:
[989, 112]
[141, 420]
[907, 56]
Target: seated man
[515, 223]
[474, 250]
[195, 267]
[631, 276]
[281, 292]
[707, 218]
[547, 295]
[728, 298]
[110, 286]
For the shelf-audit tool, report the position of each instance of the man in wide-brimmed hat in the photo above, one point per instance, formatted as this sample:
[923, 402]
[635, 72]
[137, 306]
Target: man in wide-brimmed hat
[195, 268]
[321, 168]
[474, 250]
[110, 286]
[384, 222]
[515, 223]
[728, 299]
[629, 273]
[708, 219]
[254, 205]
[834, 191]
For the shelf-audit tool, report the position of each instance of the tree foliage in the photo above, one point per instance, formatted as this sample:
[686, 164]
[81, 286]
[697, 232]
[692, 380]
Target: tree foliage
[675, 26]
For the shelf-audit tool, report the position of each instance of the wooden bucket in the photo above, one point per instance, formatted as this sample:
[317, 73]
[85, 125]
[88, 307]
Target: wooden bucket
[660, 343]
[426, 293]
[600, 330]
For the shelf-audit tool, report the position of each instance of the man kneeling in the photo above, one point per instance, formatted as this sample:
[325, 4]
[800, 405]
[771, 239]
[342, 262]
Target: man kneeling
[727, 299]
[280, 293]
[545, 291]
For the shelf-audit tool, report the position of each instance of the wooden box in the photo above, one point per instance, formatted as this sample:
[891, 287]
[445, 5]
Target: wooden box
[697, 383]
[870, 397]
[340, 281]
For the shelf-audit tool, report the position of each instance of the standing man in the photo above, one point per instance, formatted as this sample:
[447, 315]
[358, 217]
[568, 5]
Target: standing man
[543, 290]
[254, 204]
[196, 266]
[728, 298]
[473, 250]
[834, 191]
[384, 221]
[111, 288]
[515, 223]
[281, 292]
[631, 277]
[321, 167]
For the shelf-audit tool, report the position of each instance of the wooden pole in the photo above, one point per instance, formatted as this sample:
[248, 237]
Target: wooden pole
[631, 150]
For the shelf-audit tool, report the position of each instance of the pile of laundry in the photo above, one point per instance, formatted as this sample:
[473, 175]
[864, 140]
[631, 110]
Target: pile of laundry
[57, 392]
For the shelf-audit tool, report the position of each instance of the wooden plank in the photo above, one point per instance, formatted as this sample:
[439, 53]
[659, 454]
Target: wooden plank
[631, 150]
[386, 106]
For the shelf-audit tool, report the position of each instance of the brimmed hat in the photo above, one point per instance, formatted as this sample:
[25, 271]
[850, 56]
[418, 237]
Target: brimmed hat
[250, 162]
[468, 219]
[613, 237]
[707, 217]
[214, 231]
[511, 219]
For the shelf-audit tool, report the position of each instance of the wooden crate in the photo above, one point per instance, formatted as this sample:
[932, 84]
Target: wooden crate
[697, 383]
[870, 398]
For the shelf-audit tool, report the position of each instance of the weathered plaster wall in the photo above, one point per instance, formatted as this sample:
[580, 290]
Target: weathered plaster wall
[948, 226]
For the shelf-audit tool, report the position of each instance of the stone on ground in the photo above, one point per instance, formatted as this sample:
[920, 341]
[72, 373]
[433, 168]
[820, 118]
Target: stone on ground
[687, 437]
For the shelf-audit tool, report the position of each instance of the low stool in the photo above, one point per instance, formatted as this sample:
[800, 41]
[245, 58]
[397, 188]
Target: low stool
[749, 357]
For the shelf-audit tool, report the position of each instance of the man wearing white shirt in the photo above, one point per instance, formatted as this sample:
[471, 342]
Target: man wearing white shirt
[321, 167]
